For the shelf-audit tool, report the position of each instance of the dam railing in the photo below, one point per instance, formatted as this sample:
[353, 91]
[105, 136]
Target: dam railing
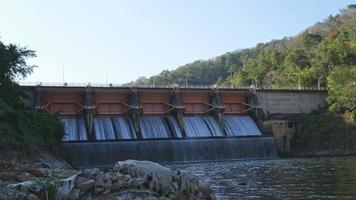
[189, 86]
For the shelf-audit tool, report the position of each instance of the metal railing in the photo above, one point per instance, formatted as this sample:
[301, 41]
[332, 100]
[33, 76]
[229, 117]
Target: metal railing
[108, 85]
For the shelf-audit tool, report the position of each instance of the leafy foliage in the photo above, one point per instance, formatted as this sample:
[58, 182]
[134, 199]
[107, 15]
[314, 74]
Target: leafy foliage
[342, 90]
[20, 127]
[325, 130]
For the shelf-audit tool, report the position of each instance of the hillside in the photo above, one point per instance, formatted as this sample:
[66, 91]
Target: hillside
[306, 58]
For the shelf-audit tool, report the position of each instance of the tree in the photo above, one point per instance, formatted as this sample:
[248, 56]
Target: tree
[20, 127]
[342, 90]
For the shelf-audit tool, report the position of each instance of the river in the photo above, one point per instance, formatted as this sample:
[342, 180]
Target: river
[302, 178]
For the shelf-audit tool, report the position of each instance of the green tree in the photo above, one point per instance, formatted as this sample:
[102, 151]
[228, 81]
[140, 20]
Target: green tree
[20, 127]
[342, 90]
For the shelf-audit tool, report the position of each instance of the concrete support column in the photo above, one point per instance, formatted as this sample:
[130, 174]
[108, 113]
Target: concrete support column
[38, 98]
[135, 111]
[89, 110]
[218, 107]
[178, 109]
[256, 113]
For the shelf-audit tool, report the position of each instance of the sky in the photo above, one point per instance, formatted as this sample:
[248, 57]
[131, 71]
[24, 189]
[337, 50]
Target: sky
[114, 41]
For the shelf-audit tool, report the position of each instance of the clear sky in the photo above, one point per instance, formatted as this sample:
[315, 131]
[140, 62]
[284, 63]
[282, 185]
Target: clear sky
[119, 41]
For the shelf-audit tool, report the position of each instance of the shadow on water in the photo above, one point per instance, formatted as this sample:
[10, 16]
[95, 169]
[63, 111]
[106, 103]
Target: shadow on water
[309, 178]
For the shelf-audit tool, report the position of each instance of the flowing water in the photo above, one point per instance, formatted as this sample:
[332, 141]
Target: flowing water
[124, 128]
[174, 126]
[106, 153]
[307, 178]
[104, 129]
[74, 129]
[110, 128]
[240, 126]
[154, 127]
[195, 126]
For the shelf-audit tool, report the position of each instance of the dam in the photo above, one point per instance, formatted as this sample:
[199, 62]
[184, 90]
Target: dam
[161, 124]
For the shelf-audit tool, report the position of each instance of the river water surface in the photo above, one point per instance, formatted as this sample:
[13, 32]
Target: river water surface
[307, 178]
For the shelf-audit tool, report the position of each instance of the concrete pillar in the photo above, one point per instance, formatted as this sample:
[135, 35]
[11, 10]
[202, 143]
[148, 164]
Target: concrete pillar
[89, 109]
[178, 109]
[38, 98]
[218, 107]
[135, 111]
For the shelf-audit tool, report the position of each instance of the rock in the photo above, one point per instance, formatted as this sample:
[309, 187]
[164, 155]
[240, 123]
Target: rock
[8, 176]
[116, 186]
[108, 184]
[99, 179]
[74, 194]
[81, 179]
[25, 176]
[161, 176]
[98, 190]
[91, 171]
[32, 197]
[64, 187]
[175, 186]
[26, 186]
[85, 186]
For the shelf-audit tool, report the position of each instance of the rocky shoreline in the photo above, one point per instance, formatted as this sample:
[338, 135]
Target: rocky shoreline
[125, 180]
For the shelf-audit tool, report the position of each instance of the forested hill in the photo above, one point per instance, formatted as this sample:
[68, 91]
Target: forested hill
[305, 59]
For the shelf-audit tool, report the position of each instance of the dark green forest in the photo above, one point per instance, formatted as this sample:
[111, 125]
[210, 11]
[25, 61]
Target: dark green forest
[323, 55]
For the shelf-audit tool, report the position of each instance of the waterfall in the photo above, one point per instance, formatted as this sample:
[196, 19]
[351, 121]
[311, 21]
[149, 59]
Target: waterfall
[195, 126]
[213, 126]
[240, 126]
[174, 126]
[74, 129]
[154, 127]
[82, 129]
[124, 128]
[99, 154]
[202, 126]
[104, 129]
[70, 129]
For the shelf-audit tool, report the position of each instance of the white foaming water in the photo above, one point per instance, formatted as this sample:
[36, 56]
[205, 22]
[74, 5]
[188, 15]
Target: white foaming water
[213, 125]
[124, 128]
[174, 125]
[104, 129]
[195, 126]
[82, 129]
[70, 129]
[74, 129]
[154, 127]
[240, 126]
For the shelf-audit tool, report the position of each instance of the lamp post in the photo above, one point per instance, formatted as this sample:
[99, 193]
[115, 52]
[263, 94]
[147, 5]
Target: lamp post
[299, 80]
[319, 80]
[186, 79]
[231, 77]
